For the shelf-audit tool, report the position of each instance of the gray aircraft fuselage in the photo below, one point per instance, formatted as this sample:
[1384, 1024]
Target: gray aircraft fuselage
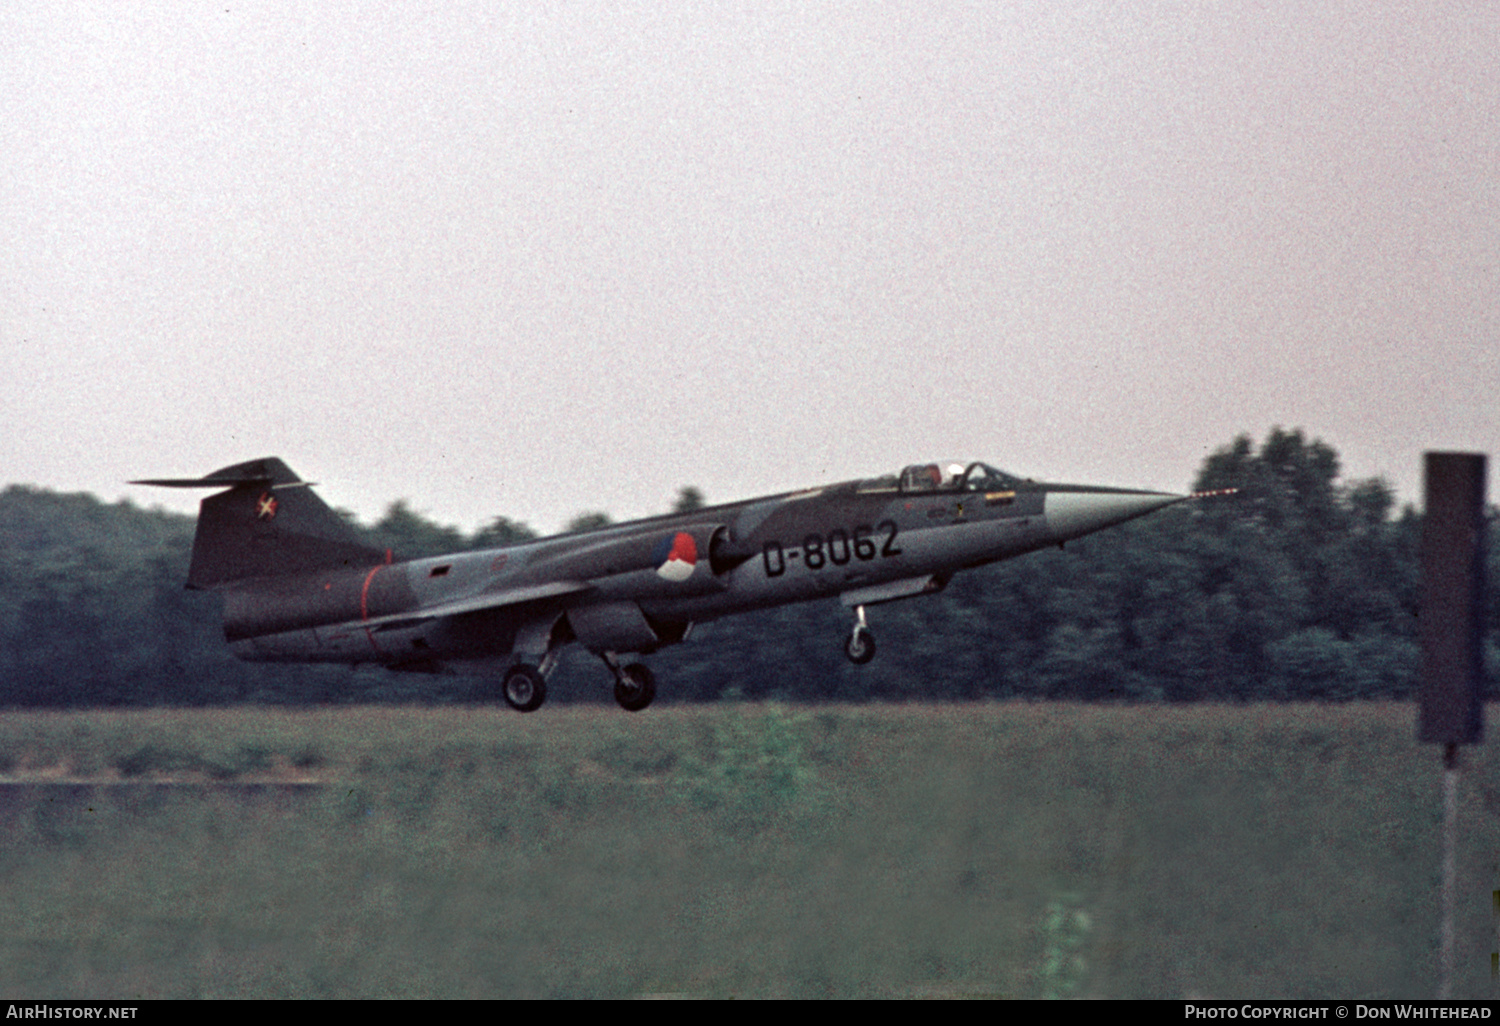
[298, 586]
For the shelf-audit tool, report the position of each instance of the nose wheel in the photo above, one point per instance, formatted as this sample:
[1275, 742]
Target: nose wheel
[860, 645]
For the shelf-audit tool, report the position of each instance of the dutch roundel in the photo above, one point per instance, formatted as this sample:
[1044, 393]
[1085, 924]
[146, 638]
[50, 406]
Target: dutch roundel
[677, 557]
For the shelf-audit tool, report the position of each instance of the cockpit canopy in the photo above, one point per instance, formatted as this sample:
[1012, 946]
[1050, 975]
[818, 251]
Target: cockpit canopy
[948, 476]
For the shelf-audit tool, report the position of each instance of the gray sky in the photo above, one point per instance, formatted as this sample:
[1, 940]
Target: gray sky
[531, 259]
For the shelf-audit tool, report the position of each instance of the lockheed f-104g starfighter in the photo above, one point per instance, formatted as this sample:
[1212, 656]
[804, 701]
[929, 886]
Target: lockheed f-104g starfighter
[300, 586]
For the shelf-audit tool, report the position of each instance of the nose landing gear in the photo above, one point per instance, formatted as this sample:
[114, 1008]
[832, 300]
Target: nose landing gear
[860, 645]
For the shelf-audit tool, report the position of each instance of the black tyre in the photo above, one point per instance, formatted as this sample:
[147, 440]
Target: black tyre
[524, 689]
[635, 687]
[860, 646]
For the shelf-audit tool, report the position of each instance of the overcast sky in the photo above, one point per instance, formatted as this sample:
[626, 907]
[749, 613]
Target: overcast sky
[531, 259]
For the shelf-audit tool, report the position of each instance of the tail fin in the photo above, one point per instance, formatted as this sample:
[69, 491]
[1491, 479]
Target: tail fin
[267, 524]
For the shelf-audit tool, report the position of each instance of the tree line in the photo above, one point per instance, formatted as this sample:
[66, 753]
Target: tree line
[1299, 587]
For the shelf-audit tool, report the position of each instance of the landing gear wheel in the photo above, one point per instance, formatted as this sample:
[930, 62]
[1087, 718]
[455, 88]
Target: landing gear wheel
[524, 689]
[635, 687]
[860, 646]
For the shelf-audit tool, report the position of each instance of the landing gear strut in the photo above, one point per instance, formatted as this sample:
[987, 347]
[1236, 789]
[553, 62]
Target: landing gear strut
[860, 645]
[635, 684]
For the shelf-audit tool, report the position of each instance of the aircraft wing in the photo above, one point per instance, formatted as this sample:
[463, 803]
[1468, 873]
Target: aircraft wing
[476, 603]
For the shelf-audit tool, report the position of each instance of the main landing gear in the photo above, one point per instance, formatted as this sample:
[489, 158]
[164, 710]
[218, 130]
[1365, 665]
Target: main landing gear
[860, 645]
[525, 687]
[635, 684]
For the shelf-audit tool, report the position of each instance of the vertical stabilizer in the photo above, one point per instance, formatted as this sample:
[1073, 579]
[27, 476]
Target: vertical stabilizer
[269, 523]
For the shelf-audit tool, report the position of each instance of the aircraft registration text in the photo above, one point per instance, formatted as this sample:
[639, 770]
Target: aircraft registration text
[837, 548]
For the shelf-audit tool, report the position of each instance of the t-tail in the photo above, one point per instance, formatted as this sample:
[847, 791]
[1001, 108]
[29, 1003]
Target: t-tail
[269, 523]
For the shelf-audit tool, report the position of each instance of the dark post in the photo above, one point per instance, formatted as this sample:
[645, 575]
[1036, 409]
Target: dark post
[1452, 611]
[1452, 601]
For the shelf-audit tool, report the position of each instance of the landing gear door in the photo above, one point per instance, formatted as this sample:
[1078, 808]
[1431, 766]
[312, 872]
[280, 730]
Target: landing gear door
[613, 627]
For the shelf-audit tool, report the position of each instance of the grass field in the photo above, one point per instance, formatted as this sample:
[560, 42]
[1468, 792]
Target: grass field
[735, 850]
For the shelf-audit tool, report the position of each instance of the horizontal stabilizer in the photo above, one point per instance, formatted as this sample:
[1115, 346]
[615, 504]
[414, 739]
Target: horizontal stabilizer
[201, 482]
[269, 471]
[476, 603]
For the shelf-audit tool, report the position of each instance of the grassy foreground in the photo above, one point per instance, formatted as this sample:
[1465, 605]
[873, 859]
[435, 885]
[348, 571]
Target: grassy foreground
[737, 850]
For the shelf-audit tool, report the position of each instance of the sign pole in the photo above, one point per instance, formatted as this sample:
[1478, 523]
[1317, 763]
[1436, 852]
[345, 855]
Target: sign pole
[1450, 842]
[1452, 612]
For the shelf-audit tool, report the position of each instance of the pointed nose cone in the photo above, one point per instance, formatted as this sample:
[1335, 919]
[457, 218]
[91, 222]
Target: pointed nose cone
[1075, 512]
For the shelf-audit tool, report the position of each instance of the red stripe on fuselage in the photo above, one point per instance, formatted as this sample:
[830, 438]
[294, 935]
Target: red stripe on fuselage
[364, 593]
[364, 603]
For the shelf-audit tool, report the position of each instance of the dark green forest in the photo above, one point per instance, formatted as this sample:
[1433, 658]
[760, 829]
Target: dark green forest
[1301, 586]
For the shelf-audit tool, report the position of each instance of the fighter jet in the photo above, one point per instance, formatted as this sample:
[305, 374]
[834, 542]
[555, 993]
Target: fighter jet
[299, 586]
